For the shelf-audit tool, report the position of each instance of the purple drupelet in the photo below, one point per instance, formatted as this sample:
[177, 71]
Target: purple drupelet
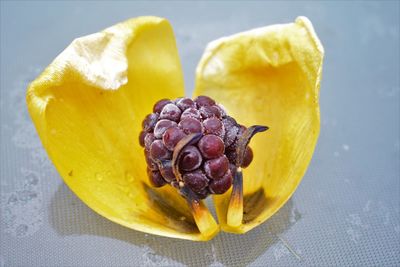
[208, 166]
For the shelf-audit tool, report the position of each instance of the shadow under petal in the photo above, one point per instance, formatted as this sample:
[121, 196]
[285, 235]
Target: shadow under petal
[70, 216]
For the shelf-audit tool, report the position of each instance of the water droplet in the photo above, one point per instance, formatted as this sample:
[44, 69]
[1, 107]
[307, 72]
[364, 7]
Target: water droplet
[99, 177]
[26, 195]
[31, 179]
[280, 251]
[152, 258]
[129, 177]
[123, 188]
[21, 230]
[367, 206]
[12, 199]
[275, 57]
[53, 131]
[294, 216]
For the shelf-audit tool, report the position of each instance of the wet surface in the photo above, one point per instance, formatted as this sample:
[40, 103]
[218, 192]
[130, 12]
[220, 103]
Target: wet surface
[346, 209]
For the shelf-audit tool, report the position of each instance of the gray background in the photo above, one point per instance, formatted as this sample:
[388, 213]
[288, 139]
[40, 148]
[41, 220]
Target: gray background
[346, 210]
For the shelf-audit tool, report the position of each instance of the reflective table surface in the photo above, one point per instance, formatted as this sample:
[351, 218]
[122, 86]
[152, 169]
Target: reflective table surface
[346, 209]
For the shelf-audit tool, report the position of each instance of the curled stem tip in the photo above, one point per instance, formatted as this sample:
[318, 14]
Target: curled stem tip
[235, 208]
[244, 140]
[177, 154]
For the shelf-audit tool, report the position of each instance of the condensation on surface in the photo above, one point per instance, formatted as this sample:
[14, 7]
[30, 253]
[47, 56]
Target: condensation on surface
[280, 251]
[22, 200]
[359, 223]
[151, 258]
[348, 199]
[22, 210]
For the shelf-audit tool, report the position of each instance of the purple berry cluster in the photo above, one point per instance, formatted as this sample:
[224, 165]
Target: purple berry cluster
[207, 166]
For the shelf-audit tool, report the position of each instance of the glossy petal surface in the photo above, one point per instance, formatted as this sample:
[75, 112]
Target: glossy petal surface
[268, 76]
[87, 107]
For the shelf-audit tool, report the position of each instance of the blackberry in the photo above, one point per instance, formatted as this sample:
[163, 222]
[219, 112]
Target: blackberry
[191, 125]
[170, 112]
[172, 136]
[214, 126]
[199, 138]
[216, 168]
[211, 146]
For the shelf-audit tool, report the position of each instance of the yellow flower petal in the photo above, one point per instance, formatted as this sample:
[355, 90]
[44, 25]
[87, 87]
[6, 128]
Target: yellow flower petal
[87, 107]
[268, 76]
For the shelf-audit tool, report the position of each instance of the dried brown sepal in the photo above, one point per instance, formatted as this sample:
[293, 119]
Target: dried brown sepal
[177, 154]
[244, 140]
[235, 208]
[202, 216]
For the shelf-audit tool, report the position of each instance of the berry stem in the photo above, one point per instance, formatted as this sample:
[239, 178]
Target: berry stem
[235, 208]
[177, 154]
[202, 216]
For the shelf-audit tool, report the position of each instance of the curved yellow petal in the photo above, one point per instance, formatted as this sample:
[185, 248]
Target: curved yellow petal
[268, 76]
[87, 107]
